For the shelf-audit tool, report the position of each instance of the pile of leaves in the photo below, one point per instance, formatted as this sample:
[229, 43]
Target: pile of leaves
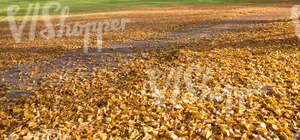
[246, 87]
[119, 102]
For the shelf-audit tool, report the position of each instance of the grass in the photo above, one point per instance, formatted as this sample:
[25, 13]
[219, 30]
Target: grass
[81, 6]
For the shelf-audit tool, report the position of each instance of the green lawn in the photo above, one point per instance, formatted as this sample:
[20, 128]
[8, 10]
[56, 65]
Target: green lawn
[79, 6]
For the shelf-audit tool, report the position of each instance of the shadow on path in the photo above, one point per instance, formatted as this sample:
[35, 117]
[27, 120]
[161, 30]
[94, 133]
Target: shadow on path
[19, 77]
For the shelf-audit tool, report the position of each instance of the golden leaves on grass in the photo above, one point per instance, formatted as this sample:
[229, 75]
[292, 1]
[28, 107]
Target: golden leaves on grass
[115, 103]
